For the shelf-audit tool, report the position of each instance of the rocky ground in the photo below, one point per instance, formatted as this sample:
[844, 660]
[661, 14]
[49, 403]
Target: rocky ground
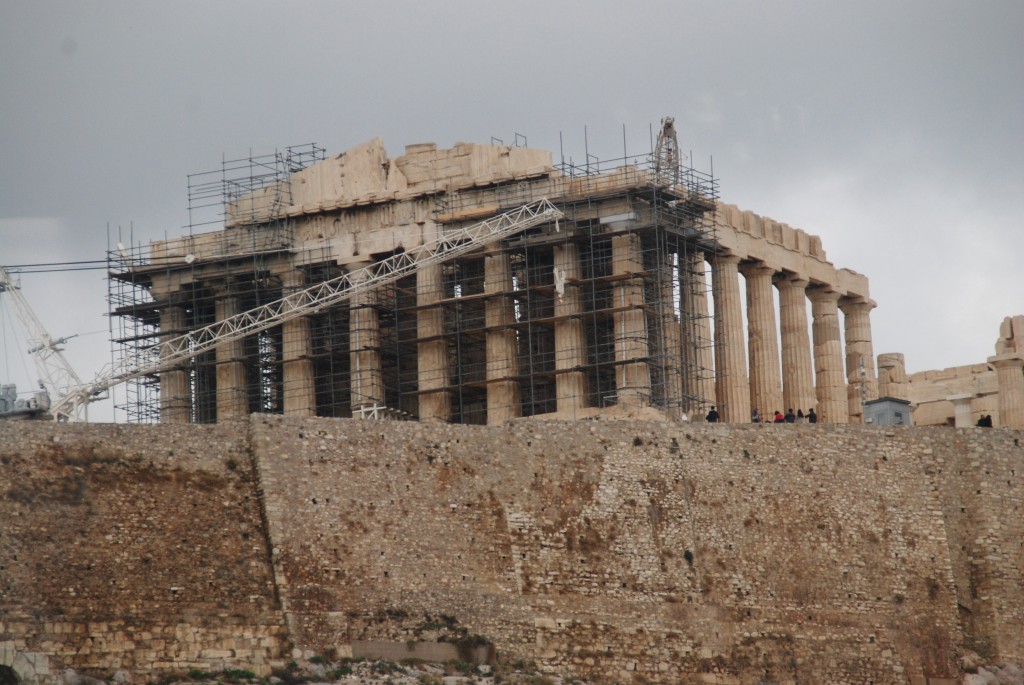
[356, 672]
[363, 672]
[1002, 674]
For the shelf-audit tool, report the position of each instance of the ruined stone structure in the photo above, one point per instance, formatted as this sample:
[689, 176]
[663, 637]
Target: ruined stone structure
[611, 310]
[960, 395]
[636, 551]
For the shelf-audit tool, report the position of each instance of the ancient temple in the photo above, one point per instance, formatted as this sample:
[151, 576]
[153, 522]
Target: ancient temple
[649, 297]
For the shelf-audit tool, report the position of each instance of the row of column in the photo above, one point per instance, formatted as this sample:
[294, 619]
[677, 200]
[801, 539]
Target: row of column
[806, 371]
[811, 367]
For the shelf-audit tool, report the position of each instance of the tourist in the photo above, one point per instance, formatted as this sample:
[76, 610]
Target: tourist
[790, 416]
[755, 416]
[811, 416]
[712, 416]
[779, 418]
[799, 415]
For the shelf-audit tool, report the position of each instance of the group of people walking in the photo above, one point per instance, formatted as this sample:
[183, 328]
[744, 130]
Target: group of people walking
[778, 417]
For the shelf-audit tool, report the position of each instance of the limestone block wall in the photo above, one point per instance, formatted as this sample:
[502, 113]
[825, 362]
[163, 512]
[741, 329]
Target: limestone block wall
[622, 548]
[134, 548]
[978, 473]
[670, 552]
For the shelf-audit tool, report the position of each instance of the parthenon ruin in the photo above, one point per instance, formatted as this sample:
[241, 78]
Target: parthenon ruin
[630, 305]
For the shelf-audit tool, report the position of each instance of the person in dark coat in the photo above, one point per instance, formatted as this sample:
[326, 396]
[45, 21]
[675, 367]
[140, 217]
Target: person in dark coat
[790, 416]
[811, 416]
[712, 416]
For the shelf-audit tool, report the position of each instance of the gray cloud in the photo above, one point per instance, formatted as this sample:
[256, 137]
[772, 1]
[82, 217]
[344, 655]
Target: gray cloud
[893, 130]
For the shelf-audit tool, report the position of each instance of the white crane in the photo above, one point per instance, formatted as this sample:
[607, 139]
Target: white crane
[69, 405]
[57, 376]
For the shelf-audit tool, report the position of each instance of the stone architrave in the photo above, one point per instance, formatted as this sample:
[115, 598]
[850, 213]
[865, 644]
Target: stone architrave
[632, 375]
[299, 388]
[892, 376]
[862, 385]
[435, 402]
[731, 388]
[828, 356]
[367, 378]
[797, 362]
[503, 393]
[174, 390]
[762, 336]
[570, 341]
[232, 396]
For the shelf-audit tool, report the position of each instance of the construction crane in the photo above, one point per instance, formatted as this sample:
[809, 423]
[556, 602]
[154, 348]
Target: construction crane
[56, 375]
[666, 153]
[170, 353]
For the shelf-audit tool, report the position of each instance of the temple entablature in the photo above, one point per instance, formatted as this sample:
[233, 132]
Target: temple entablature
[784, 248]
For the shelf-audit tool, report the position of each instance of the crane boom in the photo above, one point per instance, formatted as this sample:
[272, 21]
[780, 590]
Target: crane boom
[55, 373]
[170, 353]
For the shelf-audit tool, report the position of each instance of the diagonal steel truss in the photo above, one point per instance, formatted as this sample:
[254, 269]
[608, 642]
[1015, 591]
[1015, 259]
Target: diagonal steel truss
[172, 352]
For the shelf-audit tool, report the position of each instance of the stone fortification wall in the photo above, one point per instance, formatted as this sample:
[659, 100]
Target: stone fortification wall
[136, 548]
[648, 549]
[978, 474]
[791, 553]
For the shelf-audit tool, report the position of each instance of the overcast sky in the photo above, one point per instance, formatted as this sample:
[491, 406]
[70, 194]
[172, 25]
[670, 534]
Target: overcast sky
[893, 130]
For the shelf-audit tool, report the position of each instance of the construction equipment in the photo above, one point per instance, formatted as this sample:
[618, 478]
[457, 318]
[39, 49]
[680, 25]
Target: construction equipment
[69, 404]
[56, 375]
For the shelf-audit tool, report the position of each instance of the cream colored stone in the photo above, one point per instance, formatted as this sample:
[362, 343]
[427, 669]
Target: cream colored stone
[731, 387]
[828, 357]
[762, 336]
[797, 364]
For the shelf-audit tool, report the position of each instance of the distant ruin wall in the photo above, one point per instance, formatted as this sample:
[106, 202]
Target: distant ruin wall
[808, 553]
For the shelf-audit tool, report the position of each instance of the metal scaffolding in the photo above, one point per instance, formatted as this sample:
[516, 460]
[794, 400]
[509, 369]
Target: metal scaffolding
[562, 338]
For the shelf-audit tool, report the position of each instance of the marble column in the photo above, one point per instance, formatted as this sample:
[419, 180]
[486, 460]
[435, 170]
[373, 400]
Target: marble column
[232, 396]
[797, 364]
[1010, 374]
[632, 375]
[859, 387]
[762, 337]
[435, 401]
[1009, 365]
[570, 340]
[731, 388]
[698, 339]
[299, 390]
[828, 356]
[892, 376]
[503, 393]
[671, 353]
[174, 390]
[367, 379]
